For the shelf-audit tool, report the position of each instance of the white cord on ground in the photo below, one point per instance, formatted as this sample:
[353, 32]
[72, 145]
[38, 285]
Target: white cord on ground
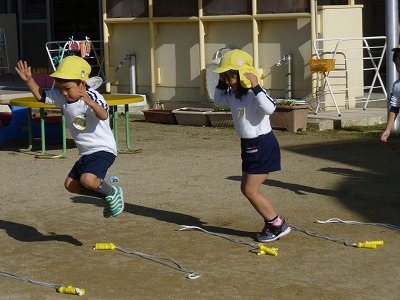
[184, 227]
[59, 287]
[322, 236]
[15, 276]
[165, 261]
[262, 250]
[336, 220]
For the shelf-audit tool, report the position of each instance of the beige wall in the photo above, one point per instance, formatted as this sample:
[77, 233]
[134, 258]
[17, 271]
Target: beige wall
[171, 53]
[338, 23]
[177, 68]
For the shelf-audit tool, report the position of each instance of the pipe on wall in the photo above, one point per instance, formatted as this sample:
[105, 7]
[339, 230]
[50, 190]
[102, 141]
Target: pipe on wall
[392, 33]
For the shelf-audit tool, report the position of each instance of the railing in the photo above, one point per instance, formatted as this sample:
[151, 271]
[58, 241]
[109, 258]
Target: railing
[4, 61]
[355, 60]
[87, 49]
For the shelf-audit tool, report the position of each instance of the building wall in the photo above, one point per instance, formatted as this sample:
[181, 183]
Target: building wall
[338, 26]
[172, 52]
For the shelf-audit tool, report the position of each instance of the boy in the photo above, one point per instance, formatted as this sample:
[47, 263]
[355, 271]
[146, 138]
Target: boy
[394, 98]
[86, 114]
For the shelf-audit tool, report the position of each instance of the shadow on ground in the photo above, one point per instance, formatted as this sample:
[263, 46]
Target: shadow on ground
[370, 179]
[26, 233]
[165, 216]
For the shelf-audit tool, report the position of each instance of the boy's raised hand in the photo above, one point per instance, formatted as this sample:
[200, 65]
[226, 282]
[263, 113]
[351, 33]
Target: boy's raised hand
[23, 70]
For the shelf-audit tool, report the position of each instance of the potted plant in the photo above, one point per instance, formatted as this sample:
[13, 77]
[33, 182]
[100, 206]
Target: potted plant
[162, 116]
[290, 115]
[192, 116]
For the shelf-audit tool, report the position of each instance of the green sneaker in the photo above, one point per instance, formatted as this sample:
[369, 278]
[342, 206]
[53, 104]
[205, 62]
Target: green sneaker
[107, 210]
[115, 203]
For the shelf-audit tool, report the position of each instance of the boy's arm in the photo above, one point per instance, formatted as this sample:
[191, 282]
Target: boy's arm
[100, 111]
[24, 71]
[391, 118]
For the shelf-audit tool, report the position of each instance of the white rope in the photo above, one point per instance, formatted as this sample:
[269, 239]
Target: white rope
[336, 220]
[164, 261]
[322, 236]
[185, 227]
[15, 276]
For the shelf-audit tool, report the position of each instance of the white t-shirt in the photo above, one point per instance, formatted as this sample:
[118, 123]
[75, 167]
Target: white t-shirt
[395, 94]
[251, 113]
[89, 132]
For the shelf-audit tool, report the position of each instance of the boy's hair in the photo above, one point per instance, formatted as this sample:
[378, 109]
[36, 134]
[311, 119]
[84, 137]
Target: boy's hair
[61, 80]
[396, 55]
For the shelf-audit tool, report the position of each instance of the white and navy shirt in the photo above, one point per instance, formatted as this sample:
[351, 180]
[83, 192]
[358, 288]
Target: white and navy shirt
[395, 97]
[251, 113]
[89, 132]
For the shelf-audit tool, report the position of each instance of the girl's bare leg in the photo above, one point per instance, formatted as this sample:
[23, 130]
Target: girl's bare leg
[250, 187]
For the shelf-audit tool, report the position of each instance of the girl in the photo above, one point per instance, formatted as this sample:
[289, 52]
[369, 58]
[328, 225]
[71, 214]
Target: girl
[239, 89]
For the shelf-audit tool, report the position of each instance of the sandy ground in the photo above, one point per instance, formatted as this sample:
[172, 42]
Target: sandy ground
[190, 176]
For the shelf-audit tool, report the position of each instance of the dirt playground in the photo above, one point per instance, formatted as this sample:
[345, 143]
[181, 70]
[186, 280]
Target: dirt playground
[191, 176]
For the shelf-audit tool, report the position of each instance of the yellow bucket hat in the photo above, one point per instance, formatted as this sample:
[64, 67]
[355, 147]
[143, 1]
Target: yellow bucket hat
[241, 61]
[396, 48]
[73, 67]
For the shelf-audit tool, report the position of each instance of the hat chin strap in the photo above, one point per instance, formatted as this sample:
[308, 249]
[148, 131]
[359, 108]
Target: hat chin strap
[94, 82]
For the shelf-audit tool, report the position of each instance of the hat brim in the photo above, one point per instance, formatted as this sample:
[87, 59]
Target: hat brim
[246, 83]
[396, 48]
[220, 70]
[63, 75]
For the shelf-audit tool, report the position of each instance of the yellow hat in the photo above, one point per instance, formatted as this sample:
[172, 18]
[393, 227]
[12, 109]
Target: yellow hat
[241, 61]
[396, 48]
[73, 67]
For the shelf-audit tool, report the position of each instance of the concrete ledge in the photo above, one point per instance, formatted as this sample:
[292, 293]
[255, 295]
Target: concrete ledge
[356, 117]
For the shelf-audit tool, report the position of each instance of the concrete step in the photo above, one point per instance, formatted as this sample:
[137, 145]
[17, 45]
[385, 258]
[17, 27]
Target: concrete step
[329, 120]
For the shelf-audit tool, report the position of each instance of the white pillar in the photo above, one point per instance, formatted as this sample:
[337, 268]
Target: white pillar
[392, 33]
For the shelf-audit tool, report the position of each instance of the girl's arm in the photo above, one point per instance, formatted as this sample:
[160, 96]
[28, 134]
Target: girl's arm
[266, 103]
[220, 95]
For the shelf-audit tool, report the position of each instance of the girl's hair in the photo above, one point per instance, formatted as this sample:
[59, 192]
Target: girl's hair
[396, 55]
[240, 89]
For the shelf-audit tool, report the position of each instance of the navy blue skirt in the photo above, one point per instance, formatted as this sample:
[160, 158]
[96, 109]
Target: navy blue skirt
[261, 155]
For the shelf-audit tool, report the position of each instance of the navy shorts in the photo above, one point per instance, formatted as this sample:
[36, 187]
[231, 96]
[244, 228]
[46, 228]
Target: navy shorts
[96, 163]
[261, 155]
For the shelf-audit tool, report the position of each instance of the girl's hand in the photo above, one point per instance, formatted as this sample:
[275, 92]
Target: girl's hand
[23, 70]
[253, 79]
